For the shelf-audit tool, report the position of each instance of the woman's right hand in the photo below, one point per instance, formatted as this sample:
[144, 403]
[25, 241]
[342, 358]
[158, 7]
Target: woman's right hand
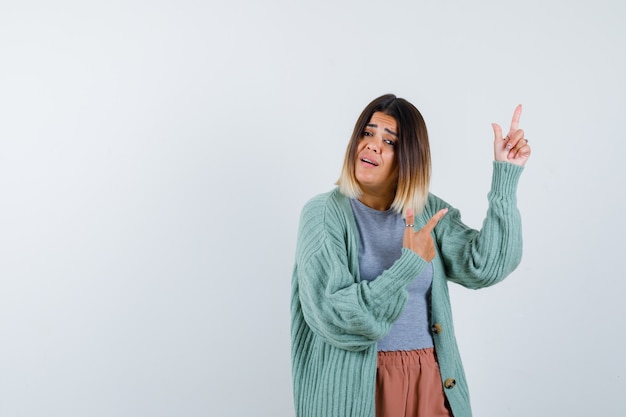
[421, 242]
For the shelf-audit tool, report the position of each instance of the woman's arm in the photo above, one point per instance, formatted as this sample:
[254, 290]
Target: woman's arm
[480, 258]
[475, 258]
[345, 312]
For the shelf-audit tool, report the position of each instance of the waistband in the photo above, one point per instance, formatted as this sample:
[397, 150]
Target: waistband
[407, 357]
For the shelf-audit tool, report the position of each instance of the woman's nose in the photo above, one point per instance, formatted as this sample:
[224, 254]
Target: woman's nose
[371, 145]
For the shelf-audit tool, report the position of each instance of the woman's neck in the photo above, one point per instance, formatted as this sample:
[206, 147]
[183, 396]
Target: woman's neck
[380, 202]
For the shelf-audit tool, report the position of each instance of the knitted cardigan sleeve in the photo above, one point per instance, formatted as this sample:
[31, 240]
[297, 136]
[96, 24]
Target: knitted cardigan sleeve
[480, 258]
[344, 311]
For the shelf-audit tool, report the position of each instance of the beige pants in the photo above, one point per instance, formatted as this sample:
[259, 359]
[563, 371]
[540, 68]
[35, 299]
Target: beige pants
[408, 384]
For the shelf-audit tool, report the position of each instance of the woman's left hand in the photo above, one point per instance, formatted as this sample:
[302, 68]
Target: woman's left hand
[513, 147]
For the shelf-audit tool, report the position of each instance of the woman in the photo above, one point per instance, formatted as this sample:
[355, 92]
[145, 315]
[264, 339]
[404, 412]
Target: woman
[371, 324]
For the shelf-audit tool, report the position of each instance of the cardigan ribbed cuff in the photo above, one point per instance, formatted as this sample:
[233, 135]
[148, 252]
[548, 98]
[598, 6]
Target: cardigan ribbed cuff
[404, 270]
[505, 177]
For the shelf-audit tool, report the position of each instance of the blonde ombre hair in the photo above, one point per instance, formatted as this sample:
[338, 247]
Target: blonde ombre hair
[412, 154]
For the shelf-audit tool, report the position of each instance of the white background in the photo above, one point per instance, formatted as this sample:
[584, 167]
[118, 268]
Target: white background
[155, 155]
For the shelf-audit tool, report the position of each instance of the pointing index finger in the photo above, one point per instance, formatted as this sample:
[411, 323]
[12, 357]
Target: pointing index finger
[516, 116]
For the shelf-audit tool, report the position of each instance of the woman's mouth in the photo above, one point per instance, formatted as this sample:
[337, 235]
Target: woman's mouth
[369, 161]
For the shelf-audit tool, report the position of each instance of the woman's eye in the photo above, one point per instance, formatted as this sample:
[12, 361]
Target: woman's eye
[366, 133]
[390, 142]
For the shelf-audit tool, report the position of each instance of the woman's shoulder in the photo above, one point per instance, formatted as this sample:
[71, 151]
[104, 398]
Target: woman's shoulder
[324, 217]
[329, 209]
[331, 200]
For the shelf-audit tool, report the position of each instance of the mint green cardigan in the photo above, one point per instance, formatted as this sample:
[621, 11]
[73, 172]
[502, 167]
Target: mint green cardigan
[337, 319]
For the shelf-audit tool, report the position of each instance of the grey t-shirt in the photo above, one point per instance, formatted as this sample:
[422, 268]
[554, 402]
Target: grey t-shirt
[380, 245]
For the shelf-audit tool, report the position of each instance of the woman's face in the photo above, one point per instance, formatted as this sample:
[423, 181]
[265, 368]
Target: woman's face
[376, 169]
